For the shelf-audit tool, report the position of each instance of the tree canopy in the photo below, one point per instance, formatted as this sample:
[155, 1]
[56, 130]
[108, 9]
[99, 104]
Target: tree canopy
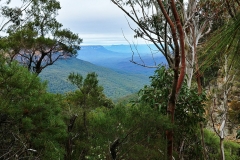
[40, 40]
[31, 121]
[171, 118]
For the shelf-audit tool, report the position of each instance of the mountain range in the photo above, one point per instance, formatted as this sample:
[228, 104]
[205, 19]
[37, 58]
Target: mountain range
[118, 57]
[116, 73]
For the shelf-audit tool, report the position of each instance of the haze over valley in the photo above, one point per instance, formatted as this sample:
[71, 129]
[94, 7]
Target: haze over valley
[119, 57]
[116, 73]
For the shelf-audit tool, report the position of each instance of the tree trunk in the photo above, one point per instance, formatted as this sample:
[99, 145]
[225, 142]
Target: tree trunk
[85, 121]
[176, 30]
[203, 142]
[68, 155]
[222, 149]
[113, 149]
[38, 69]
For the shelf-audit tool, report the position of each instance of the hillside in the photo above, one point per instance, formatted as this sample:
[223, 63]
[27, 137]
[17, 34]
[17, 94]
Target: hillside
[116, 84]
[117, 57]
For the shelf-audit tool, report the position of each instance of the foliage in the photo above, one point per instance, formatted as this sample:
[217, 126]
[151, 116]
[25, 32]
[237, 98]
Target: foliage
[31, 121]
[126, 99]
[224, 41]
[115, 84]
[212, 146]
[138, 129]
[89, 93]
[189, 107]
[223, 48]
[13, 15]
[88, 97]
[40, 41]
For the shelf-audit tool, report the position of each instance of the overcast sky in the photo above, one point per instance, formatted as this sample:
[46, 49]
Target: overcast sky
[96, 21]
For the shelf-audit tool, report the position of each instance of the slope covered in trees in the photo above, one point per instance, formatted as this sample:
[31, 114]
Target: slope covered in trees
[84, 123]
[116, 84]
[176, 116]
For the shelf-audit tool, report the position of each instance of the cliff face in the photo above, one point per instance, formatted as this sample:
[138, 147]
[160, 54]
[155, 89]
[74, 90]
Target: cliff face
[224, 105]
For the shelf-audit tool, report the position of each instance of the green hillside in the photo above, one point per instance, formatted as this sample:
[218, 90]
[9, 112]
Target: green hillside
[115, 84]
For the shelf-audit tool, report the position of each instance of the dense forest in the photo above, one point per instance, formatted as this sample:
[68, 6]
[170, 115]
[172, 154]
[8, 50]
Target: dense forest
[116, 83]
[190, 110]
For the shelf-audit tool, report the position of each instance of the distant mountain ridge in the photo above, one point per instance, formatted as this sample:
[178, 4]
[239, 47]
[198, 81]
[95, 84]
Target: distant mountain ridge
[116, 73]
[118, 57]
[96, 53]
[140, 48]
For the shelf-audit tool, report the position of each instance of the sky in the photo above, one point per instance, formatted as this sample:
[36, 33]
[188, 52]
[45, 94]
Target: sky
[97, 22]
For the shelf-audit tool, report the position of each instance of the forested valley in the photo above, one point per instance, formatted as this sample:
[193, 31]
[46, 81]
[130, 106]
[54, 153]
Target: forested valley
[188, 110]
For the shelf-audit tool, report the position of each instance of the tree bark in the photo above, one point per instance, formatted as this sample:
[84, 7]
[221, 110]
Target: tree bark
[222, 149]
[113, 148]
[182, 49]
[203, 142]
[178, 79]
[68, 155]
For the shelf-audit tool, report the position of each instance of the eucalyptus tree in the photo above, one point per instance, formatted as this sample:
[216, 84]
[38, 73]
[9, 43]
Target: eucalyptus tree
[197, 18]
[152, 25]
[175, 40]
[219, 112]
[189, 111]
[41, 40]
[175, 27]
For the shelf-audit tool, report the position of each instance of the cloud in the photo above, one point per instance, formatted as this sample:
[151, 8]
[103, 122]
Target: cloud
[89, 9]
[96, 21]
